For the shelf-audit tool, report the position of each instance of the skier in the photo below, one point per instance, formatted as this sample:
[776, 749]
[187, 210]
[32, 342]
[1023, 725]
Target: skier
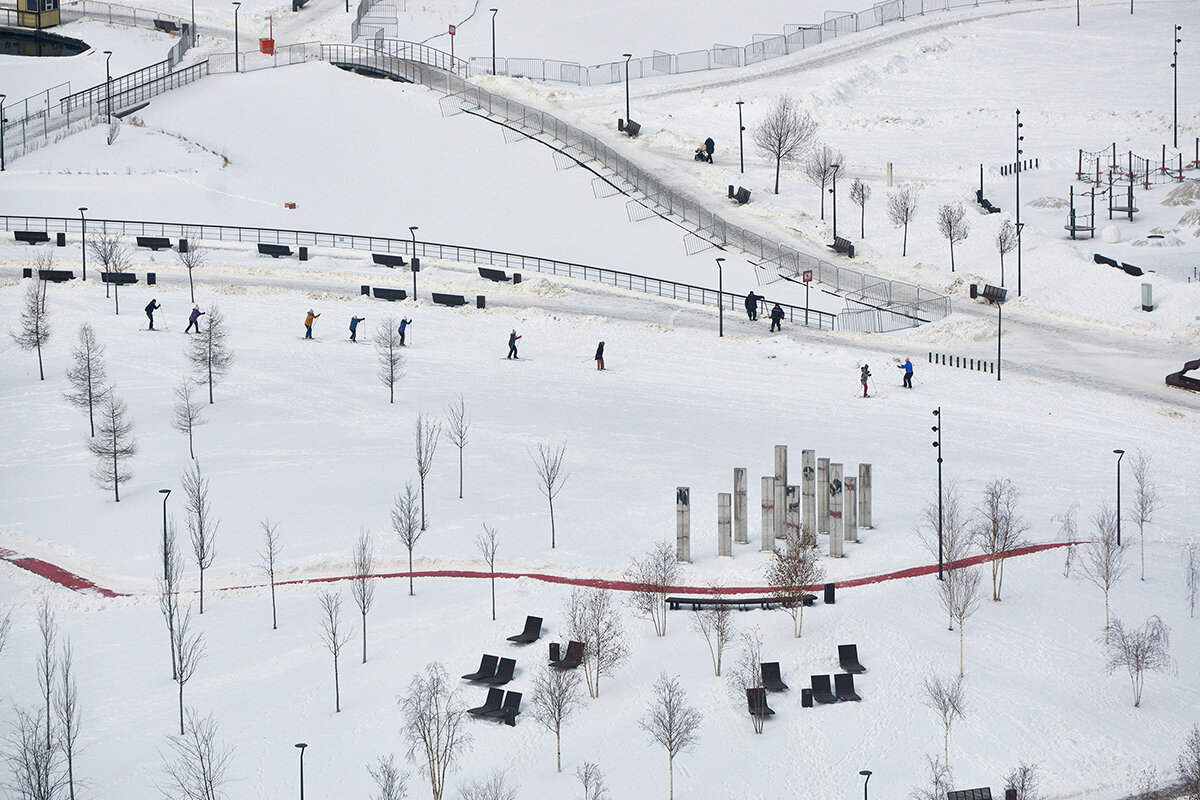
[600, 356]
[512, 344]
[194, 319]
[404, 323]
[908, 369]
[709, 147]
[354, 327]
[150, 309]
[777, 318]
[866, 373]
[752, 305]
[308, 323]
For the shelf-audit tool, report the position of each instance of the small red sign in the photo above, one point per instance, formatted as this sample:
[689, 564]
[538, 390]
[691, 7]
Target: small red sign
[451, 30]
[807, 275]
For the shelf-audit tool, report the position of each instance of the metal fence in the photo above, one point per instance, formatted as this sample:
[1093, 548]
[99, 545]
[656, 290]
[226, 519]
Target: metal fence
[373, 17]
[115, 13]
[426, 250]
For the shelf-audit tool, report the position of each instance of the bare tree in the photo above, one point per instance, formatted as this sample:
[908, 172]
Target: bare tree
[35, 769]
[823, 167]
[860, 193]
[35, 326]
[1024, 780]
[1068, 531]
[362, 585]
[902, 207]
[202, 525]
[458, 425]
[954, 538]
[198, 767]
[591, 779]
[998, 528]
[549, 464]
[47, 664]
[487, 543]
[785, 135]
[191, 258]
[949, 702]
[427, 434]
[939, 781]
[189, 649]
[168, 590]
[715, 624]
[790, 573]
[1138, 650]
[268, 557]
[1146, 784]
[189, 412]
[433, 724]
[5, 628]
[556, 696]
[654, 576]
[1006, 242]
[592, 618]
[671, 722]
[953, 225]
[1192, 579]
[66, 712]
[960, 595]
[333, 636]
[390, 781]
[391, 355]
[1145, 501]
[747, 672]
[112, 444]
[496, 786]
[86, 375]
[406, 522]
[114, 256]
[1189, 765]
[210, 353]
[1103, 559]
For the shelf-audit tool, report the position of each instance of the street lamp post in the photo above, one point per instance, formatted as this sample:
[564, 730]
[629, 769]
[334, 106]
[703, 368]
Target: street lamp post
[1175, 92]
[999, 335]
[301, 745]
[237, 53]
[836, 169]
[720, 292]
[866, 773]
[493, 10]
[937, 412]
[108, 84]
[83, 239]
[2, 121]
[627, 56]
[165, 493]
[412, 231]
[193, 22]
[741, 129]
[1120, 455]
[1020, 138]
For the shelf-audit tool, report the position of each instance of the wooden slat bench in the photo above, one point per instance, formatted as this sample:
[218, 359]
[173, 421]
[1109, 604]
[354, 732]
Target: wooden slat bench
[743, 603]
[449, 299]
[119, 278]
[154, 242]
[56, 275]
[389, 294]
[274, 250]
[388, 260]
[843, 246]
[31, 237]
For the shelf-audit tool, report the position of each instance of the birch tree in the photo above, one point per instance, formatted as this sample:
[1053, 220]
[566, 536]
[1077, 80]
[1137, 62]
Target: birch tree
[785, 135]
[548, 461]
[1138, 650]
[362, 585]
[902, 208]
[860, 193]
[487, 543]
[1103, 562]
[433, 725]
[406, 522]
[947, 699]
[188, 412]
[715, 624]
[194, 257]
[427, 434]
[391, 782]
[458, 426]
[953, 226]
[168, 591]
[1006, 242]
[202, 524]
[87, 375]
[998, 528]
[333, 636]
[823, 167]
[1145, 501]
[671, 722]
[960, 596]
[112, 445]
[591, 780]
[1189, 765]
[556, 696]
[209, 352]
[198, 768]
[747, 672]
[592, 618]
[268, 557]
[791, 572]
[47, 665]
[115, 257]
[189, 649]
[67, 714]
[34, 328]
[653, 577]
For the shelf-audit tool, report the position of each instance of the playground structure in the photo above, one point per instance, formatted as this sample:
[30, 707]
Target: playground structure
[1128, 166]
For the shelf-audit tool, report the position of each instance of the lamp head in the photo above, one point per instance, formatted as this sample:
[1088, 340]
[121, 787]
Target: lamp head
[937, 412]
[413, 227]
[739, 102]
[160, 491]
[720, 259]
[865, 772]
[82, 209]
[1119, 452]
[302, 745]
[493, 10]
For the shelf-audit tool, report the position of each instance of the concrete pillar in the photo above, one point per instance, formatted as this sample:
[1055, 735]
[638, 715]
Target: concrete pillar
[781, 482]
[822, 490]
[835, 510]
[808, 483]
[864, 496]
[850, 508]
[791, 520]
[768, 514]
[724, 531]
[683, 524]
[739, 506]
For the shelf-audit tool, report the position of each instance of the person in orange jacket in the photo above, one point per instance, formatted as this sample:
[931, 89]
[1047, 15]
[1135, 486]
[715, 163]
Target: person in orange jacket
[308, 323]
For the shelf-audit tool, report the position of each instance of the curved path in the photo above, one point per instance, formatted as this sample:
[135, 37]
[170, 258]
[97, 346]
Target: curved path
[70, 580]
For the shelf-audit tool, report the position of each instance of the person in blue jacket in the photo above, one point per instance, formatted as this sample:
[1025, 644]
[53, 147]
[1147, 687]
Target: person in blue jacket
[776, 318]
[908, 369]
[354, 327]
[404, 323]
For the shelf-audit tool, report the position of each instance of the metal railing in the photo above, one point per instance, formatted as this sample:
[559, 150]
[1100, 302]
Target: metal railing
[96, 95]
[115, 13]
[426, 250]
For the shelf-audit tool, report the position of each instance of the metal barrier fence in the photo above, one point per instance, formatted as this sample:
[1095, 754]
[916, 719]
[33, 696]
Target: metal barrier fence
[114, 12]
[426, 250]
[373, 16]
[96, 95]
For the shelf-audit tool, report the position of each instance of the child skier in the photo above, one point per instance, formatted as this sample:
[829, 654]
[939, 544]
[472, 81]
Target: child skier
[866, 373]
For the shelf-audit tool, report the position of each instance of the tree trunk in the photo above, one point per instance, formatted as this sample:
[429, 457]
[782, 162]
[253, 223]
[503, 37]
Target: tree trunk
[91, 416]
[862, 223]
[671, 772]
[41, 372]
[210, 386]
[1002, 269]
[202, 590]
[422, 502]
[551, 523]
[460, 479]
[337, 692]
[1141, 544]
[115, 475]
[181, 708]
[191, 286]
[364, 616]
[961, 636]
[191, 451]
[558, 745]
[822, 202]
[410, 582]
[904, 250]
[493, 595]
[952, 255]
[777, 164]
[274, 620]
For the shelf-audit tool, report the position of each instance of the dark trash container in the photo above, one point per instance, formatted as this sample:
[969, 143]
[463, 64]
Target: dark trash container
[516, 278]
[62, 239]
[480, 301]
[829, 599]
[416, 264]
[806, 698]
[27, 272]
[364, 289]
[183, 245]
[151, 279]
[304, 254]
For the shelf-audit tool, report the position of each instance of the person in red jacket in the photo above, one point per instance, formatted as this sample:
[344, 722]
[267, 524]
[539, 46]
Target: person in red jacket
[512, 344]
[194, 319]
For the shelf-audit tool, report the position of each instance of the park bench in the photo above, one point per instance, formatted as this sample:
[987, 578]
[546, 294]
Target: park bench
[119, 278]
[274, 250]
[743, 603]
[56, 275]
[742, 195]
[756, 703]
[31, 237]
[841, 245]
[498, 275]
[389, 294]
[388, 260]
[298, 4]
[628, 127]
[993, 294]
[449, 299]
[1130, 269]
[1180, 379]
[166, 26]
[155, 243]
[1099, 259]
[984, 793]
[487, 668]
[987, 205]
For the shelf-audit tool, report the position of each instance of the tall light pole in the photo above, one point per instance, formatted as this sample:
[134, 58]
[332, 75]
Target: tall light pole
[1120, 455]
[165, 493]
[1020, 138]
[627, 56]
[412, 231]
[720, 292]
[301, 745]
[83, 239]
[108, 84]
[836, 169]
[493, 10]
[236, 47]
[2, 121]
[741, 129]
[1175, 92]
[866, 773]
[999, 335]
[937, 412]
[193, 21]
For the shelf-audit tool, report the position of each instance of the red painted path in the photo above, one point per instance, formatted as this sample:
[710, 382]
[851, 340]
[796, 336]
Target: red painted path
[70, 580]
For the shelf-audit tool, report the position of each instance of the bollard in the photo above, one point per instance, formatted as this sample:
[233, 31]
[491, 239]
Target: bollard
[808, 483]
[864, 496]
[780, 490]
[836, 501]
[822, 490]
[683, 524]
[850, 509]
[1147, 295]
[724, 530]
[791, 519]
[768, 514]
[739, 506]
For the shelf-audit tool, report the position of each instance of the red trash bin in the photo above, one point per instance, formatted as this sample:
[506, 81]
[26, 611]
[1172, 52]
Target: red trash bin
[266, 46]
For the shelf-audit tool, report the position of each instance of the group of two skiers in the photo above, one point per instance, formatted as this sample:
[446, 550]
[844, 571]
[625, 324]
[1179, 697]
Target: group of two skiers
[193, 318]
[865, 374]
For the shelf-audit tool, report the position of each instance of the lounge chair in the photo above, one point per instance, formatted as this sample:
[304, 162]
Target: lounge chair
[509, 709]
[756, 703]
[821, 690]
[772, 681]
[504, 672]
[843, 686]
[573, 657]
[490, 706]
[848, 657]
[487, 668]
[532, 632]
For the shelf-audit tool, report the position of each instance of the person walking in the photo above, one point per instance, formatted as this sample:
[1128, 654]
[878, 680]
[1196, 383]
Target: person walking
[512, 344]
[600, 356]
[864, 376]
[777, 318]
[709, 147]
[752, 305]
[150, 309]
[308, 323]
[404, 323]
[354, 327]
[194, 319]
[908, 369]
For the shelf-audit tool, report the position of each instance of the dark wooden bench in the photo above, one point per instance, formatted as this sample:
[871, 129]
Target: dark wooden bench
[742, 195]
[1130, 269]
[843, 246]
[1110, 262]
[166, 26]
[628, 127]
[987, 205]
[31, 237]
[993, 294]
[389, 294]
[498, 275]
[298, 4]
[449, 299]
[743, 603]
[56, 275]
[274, 250]
[388, 260]
[119, 278]
[154, 242]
